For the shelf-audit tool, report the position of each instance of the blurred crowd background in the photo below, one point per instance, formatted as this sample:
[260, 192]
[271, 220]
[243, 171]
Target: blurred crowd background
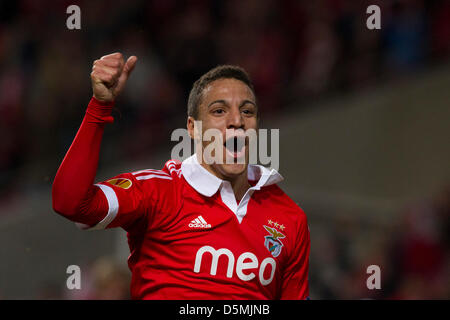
[298, 53]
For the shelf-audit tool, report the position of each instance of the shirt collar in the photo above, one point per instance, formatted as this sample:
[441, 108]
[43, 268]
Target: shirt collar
[207, 184]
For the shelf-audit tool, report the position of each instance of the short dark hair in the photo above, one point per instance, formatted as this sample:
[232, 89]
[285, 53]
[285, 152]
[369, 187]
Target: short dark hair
[219, 72]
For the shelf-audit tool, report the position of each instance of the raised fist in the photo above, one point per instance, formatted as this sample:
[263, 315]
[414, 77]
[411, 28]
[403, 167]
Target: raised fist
[109, 75]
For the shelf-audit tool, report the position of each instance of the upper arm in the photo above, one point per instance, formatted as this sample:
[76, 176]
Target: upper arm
[142, 197]
[117, 202]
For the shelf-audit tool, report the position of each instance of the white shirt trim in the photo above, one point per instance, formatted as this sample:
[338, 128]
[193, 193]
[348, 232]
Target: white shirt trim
[113, 209]
[208, 184]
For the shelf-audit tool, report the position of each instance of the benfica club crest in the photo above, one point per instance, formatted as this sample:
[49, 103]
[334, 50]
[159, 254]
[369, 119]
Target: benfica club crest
[272, 242]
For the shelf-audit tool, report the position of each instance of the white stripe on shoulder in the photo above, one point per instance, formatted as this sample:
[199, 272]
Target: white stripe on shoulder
[171, 165]
[113, 209]
[150, 171]
[151, 176]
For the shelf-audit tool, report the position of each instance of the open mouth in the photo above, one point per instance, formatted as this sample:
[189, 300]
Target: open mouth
[235, 147]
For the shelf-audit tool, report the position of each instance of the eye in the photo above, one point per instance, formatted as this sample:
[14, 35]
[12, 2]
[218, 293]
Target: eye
[248, 112]
[218, 111]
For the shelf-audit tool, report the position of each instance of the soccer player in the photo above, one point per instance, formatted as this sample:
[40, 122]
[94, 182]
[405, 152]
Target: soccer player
[195, 230]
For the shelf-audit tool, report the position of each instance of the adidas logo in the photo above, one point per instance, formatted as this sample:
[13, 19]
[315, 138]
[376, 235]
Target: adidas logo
[199, 222]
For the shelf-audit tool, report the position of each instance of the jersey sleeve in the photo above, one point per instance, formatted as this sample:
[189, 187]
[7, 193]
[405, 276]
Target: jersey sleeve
[143, 198]
[116, 202]
[295, 284]
[121, 201]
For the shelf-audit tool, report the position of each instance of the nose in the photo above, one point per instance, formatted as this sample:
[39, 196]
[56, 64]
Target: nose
[235, 120]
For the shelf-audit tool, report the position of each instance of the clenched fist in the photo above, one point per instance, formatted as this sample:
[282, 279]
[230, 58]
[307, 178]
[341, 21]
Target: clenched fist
[109, 75]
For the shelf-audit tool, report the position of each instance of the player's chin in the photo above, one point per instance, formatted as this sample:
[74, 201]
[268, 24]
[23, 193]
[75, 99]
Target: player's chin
[233, 170]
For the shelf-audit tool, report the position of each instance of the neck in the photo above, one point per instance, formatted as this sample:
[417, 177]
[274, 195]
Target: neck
[240, 185]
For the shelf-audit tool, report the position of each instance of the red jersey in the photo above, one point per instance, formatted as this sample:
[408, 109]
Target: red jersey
[190, 239]
[188, 236]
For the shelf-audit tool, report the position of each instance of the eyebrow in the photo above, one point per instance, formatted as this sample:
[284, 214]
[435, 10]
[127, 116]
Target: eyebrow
[225, 103]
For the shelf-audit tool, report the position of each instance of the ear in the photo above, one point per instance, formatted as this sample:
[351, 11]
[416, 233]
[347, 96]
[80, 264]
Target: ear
[190, 126]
